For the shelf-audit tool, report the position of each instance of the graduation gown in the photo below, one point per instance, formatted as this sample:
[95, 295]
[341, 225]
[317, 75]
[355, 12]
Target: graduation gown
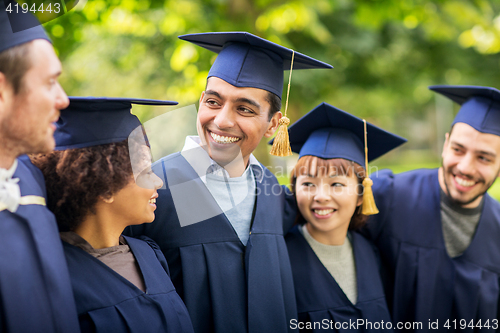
[424, 283]
[107, 302]
[226, 286]
[35, 291]
[321, 301]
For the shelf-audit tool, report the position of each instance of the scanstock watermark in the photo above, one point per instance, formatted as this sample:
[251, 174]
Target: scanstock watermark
[364, 324]
[355, 325]
[43, 10]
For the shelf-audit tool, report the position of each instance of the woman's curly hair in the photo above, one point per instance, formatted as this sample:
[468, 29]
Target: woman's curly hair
[77, 178]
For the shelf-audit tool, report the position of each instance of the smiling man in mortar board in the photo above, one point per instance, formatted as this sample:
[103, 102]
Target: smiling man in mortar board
[438, 230]
[35, 291]
[218, 222]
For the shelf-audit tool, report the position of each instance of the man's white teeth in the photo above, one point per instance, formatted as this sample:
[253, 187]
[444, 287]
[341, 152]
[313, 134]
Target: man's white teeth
[223, 139]
[152, 201]
[463, 182]
[323, 211]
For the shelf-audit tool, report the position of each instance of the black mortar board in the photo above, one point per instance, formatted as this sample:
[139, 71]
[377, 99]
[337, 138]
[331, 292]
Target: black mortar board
[92, 121]
[328, 132]
[16, 27]
[480, 106]
[246, 60]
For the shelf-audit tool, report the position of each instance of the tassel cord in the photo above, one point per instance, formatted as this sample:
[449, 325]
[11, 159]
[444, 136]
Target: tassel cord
[369, 206]
[281, 145]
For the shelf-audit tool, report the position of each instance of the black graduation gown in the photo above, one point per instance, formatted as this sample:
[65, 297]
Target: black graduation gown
[35, 291]
[107, 302]
[424, 283]
[321, 301]
[226, 286]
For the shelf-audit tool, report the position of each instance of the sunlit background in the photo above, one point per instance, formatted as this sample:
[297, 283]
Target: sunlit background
[385, 53]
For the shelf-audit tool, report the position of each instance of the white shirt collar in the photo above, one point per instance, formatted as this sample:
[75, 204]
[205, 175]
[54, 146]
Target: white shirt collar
[6, 174]
[10, 193]
[201, 161]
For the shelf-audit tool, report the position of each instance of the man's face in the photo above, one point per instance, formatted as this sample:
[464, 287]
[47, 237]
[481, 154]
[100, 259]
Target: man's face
[27, 119]
[233, 120]
[471, 163]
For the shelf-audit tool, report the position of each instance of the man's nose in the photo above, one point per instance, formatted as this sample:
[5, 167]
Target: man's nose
[224, 118]
[466, 165]
[62, 100]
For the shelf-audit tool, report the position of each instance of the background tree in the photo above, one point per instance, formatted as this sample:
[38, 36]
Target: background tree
[385, 54]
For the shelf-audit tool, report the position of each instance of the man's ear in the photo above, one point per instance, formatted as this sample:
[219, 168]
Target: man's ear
[201, 97]
[273, 124]
[4, 87]
[446, 141]
[6, 93]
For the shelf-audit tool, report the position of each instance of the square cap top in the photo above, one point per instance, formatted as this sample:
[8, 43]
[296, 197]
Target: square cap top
[92, 121]
[17, 28]
[480, 106]
[328, 132]
[246, 60]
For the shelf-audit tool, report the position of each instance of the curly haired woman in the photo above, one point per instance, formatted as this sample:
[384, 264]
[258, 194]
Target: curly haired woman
[98, 183]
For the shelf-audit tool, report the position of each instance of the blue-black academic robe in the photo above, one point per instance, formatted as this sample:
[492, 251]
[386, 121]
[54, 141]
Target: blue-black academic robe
[107, 302]
[226, 286]
[321, 301]
[35, 291]
[424, 283]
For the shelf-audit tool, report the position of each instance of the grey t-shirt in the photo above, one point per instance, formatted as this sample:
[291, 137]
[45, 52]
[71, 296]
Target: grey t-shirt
[459, 225]
[119, 258]
[339, 261]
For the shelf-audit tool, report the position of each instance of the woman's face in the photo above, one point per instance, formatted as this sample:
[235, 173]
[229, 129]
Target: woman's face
[327, 203]
[136, 202]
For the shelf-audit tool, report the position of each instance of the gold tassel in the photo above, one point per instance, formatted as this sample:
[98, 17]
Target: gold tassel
[281, 144]
[369, 206]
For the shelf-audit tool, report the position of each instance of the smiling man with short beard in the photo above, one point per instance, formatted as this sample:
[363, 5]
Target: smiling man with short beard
[470, 164]
[438, 230]
[35, 291]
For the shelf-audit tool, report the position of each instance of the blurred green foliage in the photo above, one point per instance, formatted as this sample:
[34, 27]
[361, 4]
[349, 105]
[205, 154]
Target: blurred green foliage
[385, 53]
